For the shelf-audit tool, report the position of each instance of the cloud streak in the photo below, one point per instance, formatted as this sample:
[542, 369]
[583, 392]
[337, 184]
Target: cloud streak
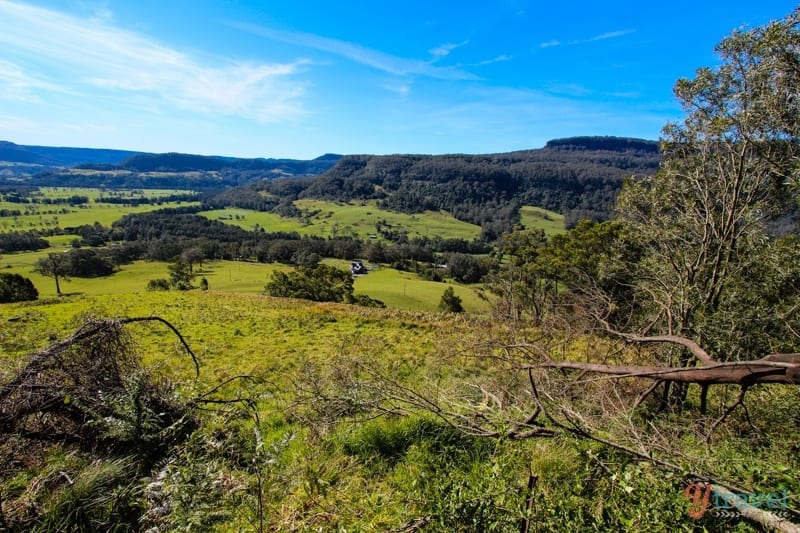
[365, 56]
[443, 50]
[90, 55]
[600, 37]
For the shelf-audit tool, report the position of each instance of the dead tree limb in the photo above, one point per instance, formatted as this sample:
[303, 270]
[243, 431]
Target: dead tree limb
[691, 345]
[766, 370]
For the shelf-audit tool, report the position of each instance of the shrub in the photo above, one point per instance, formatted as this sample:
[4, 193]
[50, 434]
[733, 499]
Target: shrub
[15, 288]
[158, 285]
[450, 302]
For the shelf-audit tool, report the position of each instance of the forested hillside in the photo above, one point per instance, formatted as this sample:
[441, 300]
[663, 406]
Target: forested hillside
[579, 177]
[89, 167]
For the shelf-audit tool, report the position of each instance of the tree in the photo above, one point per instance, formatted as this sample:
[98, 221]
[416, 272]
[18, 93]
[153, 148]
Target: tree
[56, 266]
[710, 270]
[521, 283]
[194, 255]
[89, 263]
[323, 283]
[159, 284]
[450, 302]
[16, 288]
[180, 275]
[466, 268]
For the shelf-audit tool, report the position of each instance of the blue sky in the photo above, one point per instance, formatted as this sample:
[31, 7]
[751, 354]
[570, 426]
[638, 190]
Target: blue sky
[301, 78]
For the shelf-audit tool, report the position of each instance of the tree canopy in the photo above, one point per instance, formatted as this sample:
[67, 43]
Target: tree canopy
[16, 288]
[710, 269]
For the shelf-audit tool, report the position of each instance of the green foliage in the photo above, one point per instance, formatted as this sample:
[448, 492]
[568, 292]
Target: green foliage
[466, 268]
[366, 301]
[388, 439]
[523, 283]
[450, 302]
[100, 496]
[158, 285]
[180, 275]
[55, 266]
[323, 283]
[16, 288]
[709, 265]
[89, 263]
[17, 241]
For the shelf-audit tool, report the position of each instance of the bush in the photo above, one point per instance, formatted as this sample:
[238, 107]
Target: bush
[158, 285]
[323, 283]
[450, 302]
[15, 288]
[365, 301]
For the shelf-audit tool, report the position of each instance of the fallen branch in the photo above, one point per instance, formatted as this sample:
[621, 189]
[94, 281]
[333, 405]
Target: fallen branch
[765, 370]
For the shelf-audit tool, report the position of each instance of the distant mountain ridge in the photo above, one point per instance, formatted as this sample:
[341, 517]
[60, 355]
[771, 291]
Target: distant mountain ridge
[59, 156]
[175, 162]
[28, 160]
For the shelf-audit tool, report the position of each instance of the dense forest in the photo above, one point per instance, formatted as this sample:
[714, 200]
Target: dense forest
[579, 176]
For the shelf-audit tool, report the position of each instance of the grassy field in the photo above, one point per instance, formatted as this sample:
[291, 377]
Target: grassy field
[40, 216]
[397, 289]
[535, 217]
[329, 219]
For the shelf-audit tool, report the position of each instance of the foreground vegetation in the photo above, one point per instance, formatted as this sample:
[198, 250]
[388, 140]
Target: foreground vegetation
[292, 454]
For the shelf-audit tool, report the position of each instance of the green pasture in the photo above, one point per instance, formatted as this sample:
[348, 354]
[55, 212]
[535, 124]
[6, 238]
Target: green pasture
[397, 289]
[330, 219]
[535, 217]
[94, 193]
[251, 220]
[405, 290]
[229, 276]
[39, 216]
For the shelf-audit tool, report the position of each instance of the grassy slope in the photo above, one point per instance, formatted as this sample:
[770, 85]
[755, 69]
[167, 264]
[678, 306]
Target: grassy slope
[357, 218]
[535, 217]
[363, 475]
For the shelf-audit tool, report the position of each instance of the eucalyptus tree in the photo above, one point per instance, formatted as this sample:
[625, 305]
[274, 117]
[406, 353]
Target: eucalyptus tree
[711, 270]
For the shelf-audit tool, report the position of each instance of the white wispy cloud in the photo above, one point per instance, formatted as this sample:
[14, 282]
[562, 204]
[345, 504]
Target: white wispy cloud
[360, 54]
[600, 37]
[89, 54]
[443, 50]
[603, 36]
[402, 89]
[499, 59]
[23, 86]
